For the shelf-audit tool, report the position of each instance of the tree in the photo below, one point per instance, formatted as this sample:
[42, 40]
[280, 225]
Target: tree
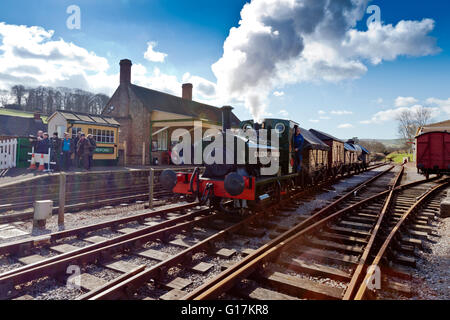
[422, 116]
[3, 98]
[410, 121]
[18, 91]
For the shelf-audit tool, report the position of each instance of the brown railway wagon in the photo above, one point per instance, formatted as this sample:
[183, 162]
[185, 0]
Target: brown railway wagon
[336, 156]
[315, 156]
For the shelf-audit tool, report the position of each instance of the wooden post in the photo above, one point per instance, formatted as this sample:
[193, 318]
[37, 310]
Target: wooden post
[151, 178]
[143, 153]
[124, 153]
[62, 197]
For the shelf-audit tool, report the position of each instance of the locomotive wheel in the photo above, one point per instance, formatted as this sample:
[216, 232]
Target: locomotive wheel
[190, 198]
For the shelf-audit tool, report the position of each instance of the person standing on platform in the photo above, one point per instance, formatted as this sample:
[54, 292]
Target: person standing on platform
[76, 157]
[67, 149]
[91, 139]
[83, 150]
[55, 154]
[42, 147]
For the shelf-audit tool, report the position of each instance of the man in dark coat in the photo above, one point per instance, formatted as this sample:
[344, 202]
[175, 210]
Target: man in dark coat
[83, 150]
[75, 146]
[55, 147]
[42, 147]
[298, 142]
[91, 139]
[43, 144]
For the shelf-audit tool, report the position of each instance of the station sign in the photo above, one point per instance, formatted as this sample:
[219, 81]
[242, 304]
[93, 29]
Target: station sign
[104, 150]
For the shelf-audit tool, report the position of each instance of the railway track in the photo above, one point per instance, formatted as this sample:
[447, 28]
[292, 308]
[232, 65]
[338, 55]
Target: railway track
[138, 255]
[329, 258]
[17, 203]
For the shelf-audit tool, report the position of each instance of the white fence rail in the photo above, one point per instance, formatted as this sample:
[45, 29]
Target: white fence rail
[8, 150]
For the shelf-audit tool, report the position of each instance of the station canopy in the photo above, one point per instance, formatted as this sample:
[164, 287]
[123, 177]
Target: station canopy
[77, 117]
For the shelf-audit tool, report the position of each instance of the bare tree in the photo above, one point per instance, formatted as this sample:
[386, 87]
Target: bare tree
[4, 98]
[406, 125]
[410, 121]
[18, 91]
[422, 116]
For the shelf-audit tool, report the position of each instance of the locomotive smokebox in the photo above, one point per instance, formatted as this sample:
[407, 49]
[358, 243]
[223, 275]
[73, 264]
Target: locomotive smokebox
[226, 118]
[234, 184]
[168, 179]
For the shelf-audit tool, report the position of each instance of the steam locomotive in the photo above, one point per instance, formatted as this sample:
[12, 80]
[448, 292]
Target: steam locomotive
[257, 168]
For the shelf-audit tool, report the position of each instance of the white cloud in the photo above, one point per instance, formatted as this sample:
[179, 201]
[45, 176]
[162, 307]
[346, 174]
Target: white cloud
[314, 121]
[32, 57]
[152, 55]
[386, 42]
[324, 118]
[345, 126]
[405, 101]
[278, 93]
[392, 114]
[321, 112]
[281, 42]
[284, 113]
[444, 105]
[341, 112]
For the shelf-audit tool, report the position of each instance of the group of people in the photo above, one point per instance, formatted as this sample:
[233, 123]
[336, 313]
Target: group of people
[61, 150]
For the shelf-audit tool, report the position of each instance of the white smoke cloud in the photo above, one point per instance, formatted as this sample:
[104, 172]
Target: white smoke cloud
[278, 93]
[280, 42]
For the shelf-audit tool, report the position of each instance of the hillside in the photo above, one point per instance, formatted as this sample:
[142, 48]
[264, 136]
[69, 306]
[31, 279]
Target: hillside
[389, 143]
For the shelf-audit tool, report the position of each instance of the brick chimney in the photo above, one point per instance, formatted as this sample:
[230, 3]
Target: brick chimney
[226, 118]
[187, 91]
[125, 71]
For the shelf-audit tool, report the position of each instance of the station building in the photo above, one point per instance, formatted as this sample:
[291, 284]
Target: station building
[105, 131]
[148, 117]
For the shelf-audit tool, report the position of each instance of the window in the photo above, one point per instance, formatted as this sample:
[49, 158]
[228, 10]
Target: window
[280, 127]
[75, 130]
[102, 136]
[162, 140]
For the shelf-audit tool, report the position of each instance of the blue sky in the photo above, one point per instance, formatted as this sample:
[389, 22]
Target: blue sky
[192, 35]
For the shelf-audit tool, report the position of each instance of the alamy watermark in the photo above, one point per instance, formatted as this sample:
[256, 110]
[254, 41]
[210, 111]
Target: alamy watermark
[374, 281]
[74, 20]
[375, 17]
[74, 280]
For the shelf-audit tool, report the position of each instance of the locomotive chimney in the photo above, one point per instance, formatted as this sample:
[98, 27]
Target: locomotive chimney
[187, 91]
[226, 118]
[125, 71]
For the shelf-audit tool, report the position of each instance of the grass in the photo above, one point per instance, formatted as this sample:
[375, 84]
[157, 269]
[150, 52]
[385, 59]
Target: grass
[19, 113]
[398, 157]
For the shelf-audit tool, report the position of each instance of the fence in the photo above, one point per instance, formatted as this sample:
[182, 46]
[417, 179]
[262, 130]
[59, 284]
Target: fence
[8, 151]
